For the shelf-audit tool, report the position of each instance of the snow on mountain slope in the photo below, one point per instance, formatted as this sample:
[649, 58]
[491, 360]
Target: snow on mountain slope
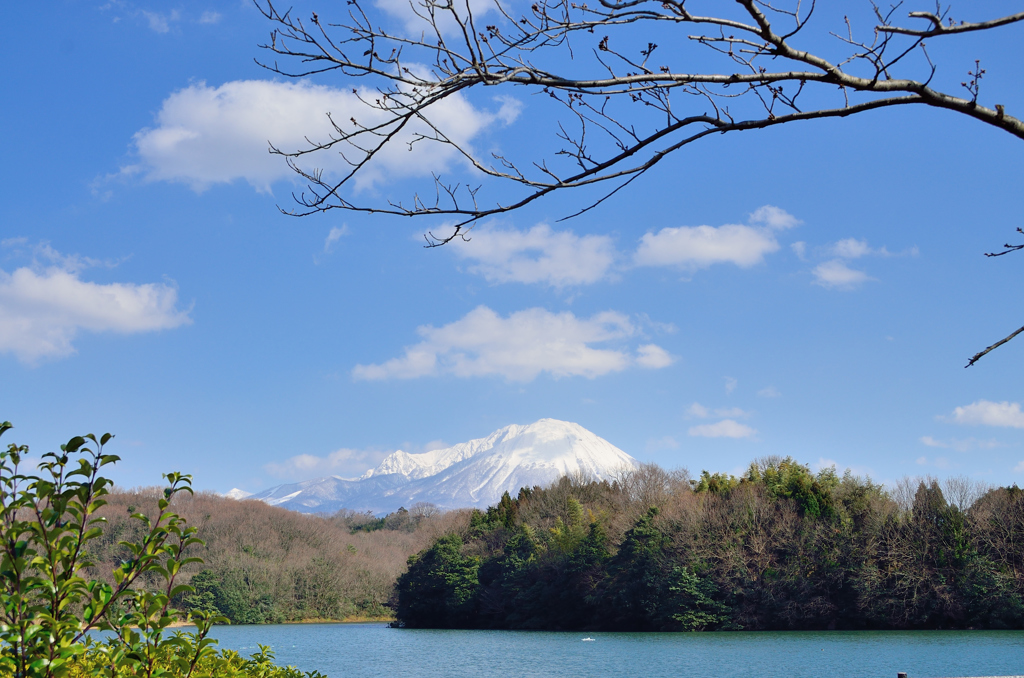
[425, 464]
[470, 474]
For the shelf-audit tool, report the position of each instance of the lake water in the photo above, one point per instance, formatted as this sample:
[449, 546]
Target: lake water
[371, 650]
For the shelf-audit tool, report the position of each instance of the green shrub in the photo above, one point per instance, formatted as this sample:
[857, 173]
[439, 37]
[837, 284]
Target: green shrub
[52, 611]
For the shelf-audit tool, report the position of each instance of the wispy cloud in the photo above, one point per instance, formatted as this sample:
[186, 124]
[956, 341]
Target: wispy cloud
[769, 392]
[344, 462]
[698, 411]
[961, 444]
[160, 22]
[835, 274]
[851, 248]
[727, 428]
[521, 347]
[415, 22]
[334, 236]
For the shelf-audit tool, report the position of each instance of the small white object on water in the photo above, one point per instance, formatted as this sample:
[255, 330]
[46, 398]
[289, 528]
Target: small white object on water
[588, 640]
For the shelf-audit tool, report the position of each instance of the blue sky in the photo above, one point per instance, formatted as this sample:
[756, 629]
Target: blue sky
[810, 290]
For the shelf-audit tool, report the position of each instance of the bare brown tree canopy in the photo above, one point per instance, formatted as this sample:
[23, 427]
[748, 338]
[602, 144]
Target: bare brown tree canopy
[635, 81]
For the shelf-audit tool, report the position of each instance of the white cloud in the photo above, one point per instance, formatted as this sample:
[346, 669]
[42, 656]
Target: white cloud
[961, 444]
[412, 14]
[344, 462]
[334, 236]
[653, 357]
[208, 135]
[662, 328]
[42, 309]
[730, 384]
[774, 218]
[800, 249]
[161, 23]
[539, 255]
[988, 413]
[700, 412]
[837, 275]
[697, 247]
[769, 392]
[701, 246]
[851, 248]
[209, 17]
[727, 428]
[72, 263]
[519, 347]
[1019, 467]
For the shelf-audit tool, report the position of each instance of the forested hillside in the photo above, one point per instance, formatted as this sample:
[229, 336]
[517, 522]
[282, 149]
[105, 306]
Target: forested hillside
[267, 564]
[780, 548]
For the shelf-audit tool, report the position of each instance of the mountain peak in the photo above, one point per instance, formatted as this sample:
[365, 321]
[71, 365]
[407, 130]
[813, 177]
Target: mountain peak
[471, 474]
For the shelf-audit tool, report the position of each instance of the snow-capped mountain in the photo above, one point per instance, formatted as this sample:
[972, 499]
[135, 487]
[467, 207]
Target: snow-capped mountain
[470, 474]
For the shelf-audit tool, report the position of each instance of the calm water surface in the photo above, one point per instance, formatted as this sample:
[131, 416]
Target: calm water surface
[356, 650]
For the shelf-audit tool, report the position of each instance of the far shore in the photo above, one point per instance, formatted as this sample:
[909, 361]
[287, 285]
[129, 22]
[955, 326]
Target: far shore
[354, 619]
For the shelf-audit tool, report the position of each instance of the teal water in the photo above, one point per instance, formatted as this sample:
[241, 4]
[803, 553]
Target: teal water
[371, 650]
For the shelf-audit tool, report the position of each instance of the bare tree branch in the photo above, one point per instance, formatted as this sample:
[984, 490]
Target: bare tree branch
[978, 356]
[626, 106]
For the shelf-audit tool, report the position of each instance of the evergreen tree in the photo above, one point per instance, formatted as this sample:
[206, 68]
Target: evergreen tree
[439, 589]
[638, 577]
[693, 598]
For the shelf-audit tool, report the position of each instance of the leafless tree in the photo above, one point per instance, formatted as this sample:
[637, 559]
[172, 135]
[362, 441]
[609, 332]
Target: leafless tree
[637, 80]
[649, 485]
[963, 492]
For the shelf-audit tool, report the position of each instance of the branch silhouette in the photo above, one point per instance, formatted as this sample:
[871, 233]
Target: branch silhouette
[626, 103]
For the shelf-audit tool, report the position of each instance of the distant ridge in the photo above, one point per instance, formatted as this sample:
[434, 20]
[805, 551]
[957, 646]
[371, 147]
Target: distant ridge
[470, 474]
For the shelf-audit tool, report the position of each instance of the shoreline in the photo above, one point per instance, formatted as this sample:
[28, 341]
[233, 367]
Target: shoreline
[354, 619]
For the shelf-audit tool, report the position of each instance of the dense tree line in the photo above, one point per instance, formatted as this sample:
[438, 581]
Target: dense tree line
[264, 564]
[779, 548]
